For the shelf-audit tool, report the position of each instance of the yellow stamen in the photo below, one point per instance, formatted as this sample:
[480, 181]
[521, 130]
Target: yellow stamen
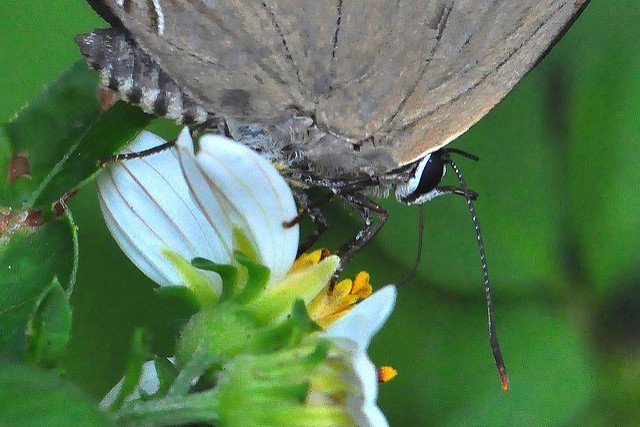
[386, 374]
[361, 285]
[332, 303]
[307, 260]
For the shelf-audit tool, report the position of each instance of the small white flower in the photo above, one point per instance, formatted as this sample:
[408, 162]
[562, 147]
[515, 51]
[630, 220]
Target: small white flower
[148, 384]
[191, 204]
[272, 373]
[352, 333]
[168, 208]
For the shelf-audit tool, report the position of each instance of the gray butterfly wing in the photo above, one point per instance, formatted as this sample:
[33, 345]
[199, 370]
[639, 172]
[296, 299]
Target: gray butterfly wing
[230, 55]
[436, 69]
[408, 75]
[483, 50]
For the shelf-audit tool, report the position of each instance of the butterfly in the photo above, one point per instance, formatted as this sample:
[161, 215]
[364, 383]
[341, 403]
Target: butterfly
[360, 97]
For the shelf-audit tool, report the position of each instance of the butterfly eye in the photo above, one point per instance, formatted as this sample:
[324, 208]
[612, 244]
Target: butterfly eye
[426, 177]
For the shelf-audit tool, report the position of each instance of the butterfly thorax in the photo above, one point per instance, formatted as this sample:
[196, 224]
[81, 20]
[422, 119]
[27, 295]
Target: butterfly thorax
[309, 156]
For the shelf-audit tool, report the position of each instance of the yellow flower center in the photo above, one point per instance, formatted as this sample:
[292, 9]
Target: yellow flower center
[335, 299]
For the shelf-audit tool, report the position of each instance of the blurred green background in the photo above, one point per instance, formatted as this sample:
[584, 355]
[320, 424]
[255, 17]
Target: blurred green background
[559, 180]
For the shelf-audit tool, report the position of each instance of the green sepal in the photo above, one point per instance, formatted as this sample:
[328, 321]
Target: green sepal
[223, 330]
[228, 274]
[320, 353]
[137, 356]
[193, 279]
[275, 302]
[183, 300]
[266, 389]
[303, 321]
[257, 279]
[275, 389]
[242, 244]
[201, 362]
[294, 328]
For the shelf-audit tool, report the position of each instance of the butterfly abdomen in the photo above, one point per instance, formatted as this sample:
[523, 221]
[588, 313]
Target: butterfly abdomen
[126, 69]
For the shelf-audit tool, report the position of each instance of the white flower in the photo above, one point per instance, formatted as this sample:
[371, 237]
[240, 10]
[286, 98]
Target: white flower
[352, 333]
[193, 205]
[148, 384]
[168, 208]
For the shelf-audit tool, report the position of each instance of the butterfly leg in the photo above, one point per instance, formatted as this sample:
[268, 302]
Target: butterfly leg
[365, 207]
[211, 124]
[122, 157]
[460, 191]
[320, 226]
[315, 214]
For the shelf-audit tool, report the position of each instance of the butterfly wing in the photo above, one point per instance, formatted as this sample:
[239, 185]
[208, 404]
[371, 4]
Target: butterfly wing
[231, 55]
[409, 75]
[434, 68]
[483, 49]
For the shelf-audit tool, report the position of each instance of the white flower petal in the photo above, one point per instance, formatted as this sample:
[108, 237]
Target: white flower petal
[149, 383]
[374, 417]
[362, 407]
[148, 208]
[233, 183]
[364, 320]
[352, 333]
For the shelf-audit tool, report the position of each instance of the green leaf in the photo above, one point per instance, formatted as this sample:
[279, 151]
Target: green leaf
[115, 128]
[53, 144]
[30, 260]
[31, 397]
[44, 131]
[50, 327]
[5, 159]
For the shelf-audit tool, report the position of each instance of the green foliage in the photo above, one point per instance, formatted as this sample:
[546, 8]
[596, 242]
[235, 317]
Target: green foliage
[62, 135]
[605, 128]
[50, 327]
[48, 149]
[34, 262]
[46, 132]
[31, 397]
[558, 183]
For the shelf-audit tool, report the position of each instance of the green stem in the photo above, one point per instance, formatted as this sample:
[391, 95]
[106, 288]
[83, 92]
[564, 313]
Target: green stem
[307, 415]
[195, 408]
